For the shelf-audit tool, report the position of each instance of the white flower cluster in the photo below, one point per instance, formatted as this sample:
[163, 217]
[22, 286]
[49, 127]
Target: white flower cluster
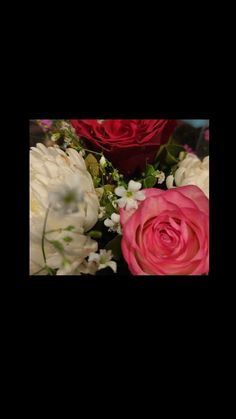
[191, 171]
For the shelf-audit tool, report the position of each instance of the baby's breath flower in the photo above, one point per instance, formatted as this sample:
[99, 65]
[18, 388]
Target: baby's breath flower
[160, 176]
[103, 162]
[130, 196]
[113, 223]
[102, 260]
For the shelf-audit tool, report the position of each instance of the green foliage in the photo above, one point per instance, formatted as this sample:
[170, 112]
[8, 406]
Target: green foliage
[96, 181]
[92, 165]
[149, 182]
[173, 151]
[150, 169]
[109, 188]
[168, 156]
[94, 234]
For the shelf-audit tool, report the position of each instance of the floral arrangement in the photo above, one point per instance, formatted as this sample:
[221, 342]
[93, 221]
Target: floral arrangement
[114, 195]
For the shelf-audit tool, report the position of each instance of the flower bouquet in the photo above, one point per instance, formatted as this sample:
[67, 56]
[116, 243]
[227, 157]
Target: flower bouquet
[119, 196]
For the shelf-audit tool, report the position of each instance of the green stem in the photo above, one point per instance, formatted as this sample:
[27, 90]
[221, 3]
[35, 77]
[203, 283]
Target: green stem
[43, 236]
[91, 151]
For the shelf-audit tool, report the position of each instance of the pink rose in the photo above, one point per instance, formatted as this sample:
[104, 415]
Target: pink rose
[168, 234]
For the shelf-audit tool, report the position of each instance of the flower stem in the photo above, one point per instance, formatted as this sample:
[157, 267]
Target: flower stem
[91, 151]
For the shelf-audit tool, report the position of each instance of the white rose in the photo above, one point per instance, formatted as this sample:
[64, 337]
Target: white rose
[191, 171]
[62, 182]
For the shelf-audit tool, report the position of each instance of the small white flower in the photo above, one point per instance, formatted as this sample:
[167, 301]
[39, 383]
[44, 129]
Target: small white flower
[130, 196]
[103, 162]
[102, 260]
[100, 121]
[113, 223]
[160, 176]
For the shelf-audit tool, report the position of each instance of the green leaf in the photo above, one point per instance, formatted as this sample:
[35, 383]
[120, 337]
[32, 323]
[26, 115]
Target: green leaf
[94, 234]
[96, 181]
[92, 165]
[149, 169]
[149, 182]
[170, 159]
[174, 150]
[115, 246]
[109, 209]
[160, 151]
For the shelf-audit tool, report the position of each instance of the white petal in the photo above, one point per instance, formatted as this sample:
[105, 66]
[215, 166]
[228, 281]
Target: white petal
[179, 176]
[140, 195]
[108, 223]
[134, 186]
[115, 217]
[113, 266]
[170, 181]
[94, 257]
[131, 203]
[122, 202]
[120, 191]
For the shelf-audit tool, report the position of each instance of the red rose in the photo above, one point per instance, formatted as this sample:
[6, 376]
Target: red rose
[128, 143]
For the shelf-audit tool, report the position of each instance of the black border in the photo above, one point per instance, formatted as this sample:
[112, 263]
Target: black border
[119, 285]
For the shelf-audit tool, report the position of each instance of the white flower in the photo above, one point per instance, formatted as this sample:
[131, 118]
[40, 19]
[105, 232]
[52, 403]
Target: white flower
[130, 197]
[61, 181]
[102, 260]
[113, 223]
[103, 162]
[160, 176]
[191, 171]
[100, 121]
[170, 181]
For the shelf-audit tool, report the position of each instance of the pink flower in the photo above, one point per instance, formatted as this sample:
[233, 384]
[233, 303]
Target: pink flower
[168, 234]
[46, 124]
[188, 149]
